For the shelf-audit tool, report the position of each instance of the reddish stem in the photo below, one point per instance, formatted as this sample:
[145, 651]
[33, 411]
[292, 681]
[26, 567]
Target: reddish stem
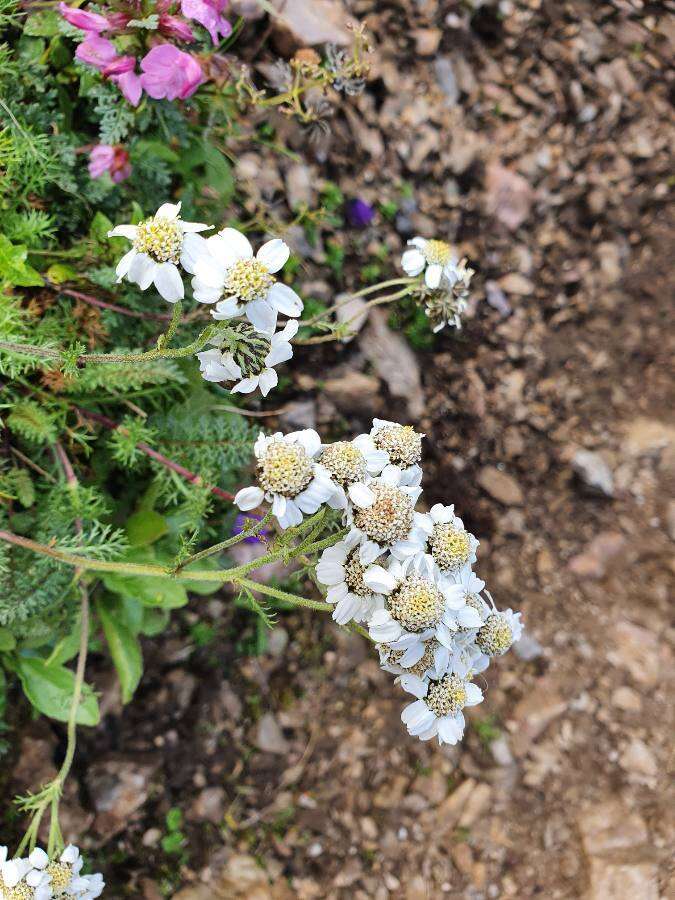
[158, 457]
[103, 304]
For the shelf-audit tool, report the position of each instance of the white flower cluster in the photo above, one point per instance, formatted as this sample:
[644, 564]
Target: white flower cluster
[406, 575]
[446, 280]
[37, 877]
[242, 287]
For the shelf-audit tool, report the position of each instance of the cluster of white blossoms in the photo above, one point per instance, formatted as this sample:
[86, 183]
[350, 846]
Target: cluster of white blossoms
[37, 877]
[446, 280]
[405, 574]
[243, 289]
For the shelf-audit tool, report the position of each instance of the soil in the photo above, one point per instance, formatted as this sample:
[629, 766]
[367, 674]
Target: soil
[547, 160]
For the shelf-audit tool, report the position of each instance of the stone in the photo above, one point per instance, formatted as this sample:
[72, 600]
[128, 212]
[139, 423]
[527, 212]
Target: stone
[119, 787]
[508, 195]
[594, 471]
[533, 714]
[447, 82]
[638, 759]
[636, 649]
[623, 881]
[516, 284]
[353, 392]
[497, 298]
[299, 414]
[241, 878]
[462, 857]
[594, 561]
[476, 804]
[670, 519]
[269, 736]
[352, 312]
[500, 486]
[394, 362]
[427, 40]
[628, 699]
[208, 806]
[501, 752]
[305, 23]
[299, 186]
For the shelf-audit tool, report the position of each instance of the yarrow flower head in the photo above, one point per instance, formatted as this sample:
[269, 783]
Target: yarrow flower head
[21, 879]
[402, 444]
[446, 305]
[438, 710]
[228, 275]
[289, 477]
[350, 465]
[40, 878]
[433, 257]
[247, 356]
[341, 569]
[160, 244]
[499, 632]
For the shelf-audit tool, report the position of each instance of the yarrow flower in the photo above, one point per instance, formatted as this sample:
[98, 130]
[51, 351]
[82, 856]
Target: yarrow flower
[341, 570]
[446, 280]
[247, 356]
[40, 878]
[438, 711]
[434, 258]
[160, 244]
[228, 275]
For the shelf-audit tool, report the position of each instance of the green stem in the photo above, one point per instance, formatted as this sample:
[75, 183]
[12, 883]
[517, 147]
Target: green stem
[223, 545]
[284, 595]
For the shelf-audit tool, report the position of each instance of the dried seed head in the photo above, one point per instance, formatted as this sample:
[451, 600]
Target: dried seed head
[160, 238]
[390, 517]
[447, 696]
[354, 570]
[401, 442]
[248, 280]
[248, 347]
[450, 547]
[495, 636]
[416, 603]
[422, 665]
[345, 462]
[437, 252]
[285, 468]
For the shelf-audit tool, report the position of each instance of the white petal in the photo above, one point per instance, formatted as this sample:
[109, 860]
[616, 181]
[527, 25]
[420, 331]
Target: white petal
[142, 271]
[204, 293]
[232, 245]
[432, 276]
[192, 227]
[329, 572]
[194, 247]
[168, 282]
[225, 309]
[379, 580]
[412, 262]
[273, 255]
[246, 386]
[268, 380]
[474, 695]
[249, 497]
[468, 617]
[414, 685]
[369, 552]
[280, 352]
[285, 299]
[336, 592]
[279, 505]
[38, 858]
[123, 265]
[292, 516]
[448, 731]
[361, 495]
[169, 210]
[262, 316]
[127, 231]
[308, 438]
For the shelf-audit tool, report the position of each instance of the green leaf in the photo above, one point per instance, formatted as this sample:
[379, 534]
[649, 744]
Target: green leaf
[44, 23]
[154, 621]
[67, 648]
[125, 651]
[218, 173]
[57, 273]
[7, 640]
[157, 150]
[145, 527]
[150, 590]
[13, 265]
[99, 228]
[50, 690]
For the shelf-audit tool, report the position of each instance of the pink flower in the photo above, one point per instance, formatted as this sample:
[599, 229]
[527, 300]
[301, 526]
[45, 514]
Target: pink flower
[130, 85]
[208, 14]
[96, 51]
[170, 73]
[106, 158]
[175, 27]
[80, 18]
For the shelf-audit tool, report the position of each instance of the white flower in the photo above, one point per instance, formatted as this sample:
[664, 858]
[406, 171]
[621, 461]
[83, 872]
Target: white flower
[24, 878]
[341, 569]
[289, 477]
[417, 660]
[248, 357]
[445, 305]
[434, 258]
[438, 709]
[499, 632]
[403, 446]
[228, 275]
[416, 607]
[349, 465]
[160, 244]
[450, 548]
[62, 878]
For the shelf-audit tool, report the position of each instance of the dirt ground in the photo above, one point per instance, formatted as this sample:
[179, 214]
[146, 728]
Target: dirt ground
[539, 140]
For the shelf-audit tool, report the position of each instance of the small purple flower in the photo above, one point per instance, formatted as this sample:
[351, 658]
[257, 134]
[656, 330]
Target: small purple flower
[85, 21]
[243, 521]
[170, 73]
[209, 14]
[109, 158]
[359, 213]
[96, 51]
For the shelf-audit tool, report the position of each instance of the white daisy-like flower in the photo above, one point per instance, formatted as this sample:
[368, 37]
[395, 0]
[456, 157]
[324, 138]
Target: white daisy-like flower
[499, 631]
[22, 879]
[416, 609]
[247, 356]
[229, 275]
[434, 258]
[160, 244]
[340, 568]
[418, 660]
[446, 304]
[350, 465]
[449, 548]
[289, 477]
[403, 446]
[63, 876]
[438, 710]
[382, 512]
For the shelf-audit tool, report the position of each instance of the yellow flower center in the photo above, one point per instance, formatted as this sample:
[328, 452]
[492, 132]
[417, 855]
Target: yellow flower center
[61, 875]
[390, 517]
[416, 603]
[345, 462]
[450, 547]
[248, 280]
[495, 637]
[422, 665]
[447, 696]
[160, 238]
[21, 891]
[401, 442]
[285, 469]
[437, 252]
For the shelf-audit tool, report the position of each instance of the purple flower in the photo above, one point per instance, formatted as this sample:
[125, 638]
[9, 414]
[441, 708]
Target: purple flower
[208, 14]
[80, 18]
[169, 73]
[243, 521]
[130, 85]
[175, 27]
[106, 158]
[96, 51]
[359, 213]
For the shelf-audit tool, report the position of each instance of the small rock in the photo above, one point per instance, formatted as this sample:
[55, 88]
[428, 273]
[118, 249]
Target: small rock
[151, 837]
[119, 788]
[594, 471]
[623, 881]
[354, 392]
[501, 752]
[528, 647]
[277, 642]
[304, 23]
[497, 298]
[208, 806]
[638, 758]
[299, 186]
[501, 486]
[509, 195]
[269, 736]
[462, 857]
[445, 75]
[628, 699]
[427, 40]
[533, 714]
[670, 519]
[394, 362]
[354, 313]
[516, 284]
[636, 649]
[476, 804]
[593, 562]
[299, 414]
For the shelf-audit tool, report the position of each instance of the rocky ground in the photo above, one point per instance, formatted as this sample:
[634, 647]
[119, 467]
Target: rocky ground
[538, 139]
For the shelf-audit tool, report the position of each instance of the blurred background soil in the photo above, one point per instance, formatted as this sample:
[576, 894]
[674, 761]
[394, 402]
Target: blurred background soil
[538, 137]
